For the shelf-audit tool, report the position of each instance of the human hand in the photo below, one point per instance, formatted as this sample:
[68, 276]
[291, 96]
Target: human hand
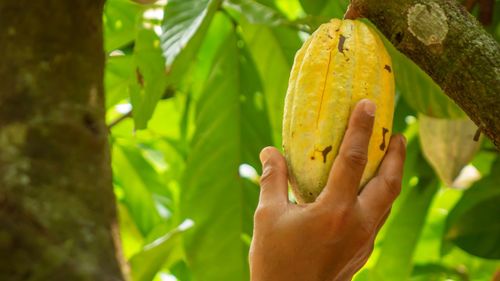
[331, 238]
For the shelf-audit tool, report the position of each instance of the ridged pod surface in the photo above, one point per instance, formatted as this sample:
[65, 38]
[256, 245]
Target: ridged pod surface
[341, 63]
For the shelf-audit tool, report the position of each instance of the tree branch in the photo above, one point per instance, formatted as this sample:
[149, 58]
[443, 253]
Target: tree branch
[450, 45]
[119, 120]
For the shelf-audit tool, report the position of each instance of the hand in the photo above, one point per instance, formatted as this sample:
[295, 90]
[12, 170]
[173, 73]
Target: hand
[332, 238]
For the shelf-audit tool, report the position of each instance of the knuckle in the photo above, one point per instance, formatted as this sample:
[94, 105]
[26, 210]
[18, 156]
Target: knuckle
[392, 185]
[262, 213]
[330, 220]
[366, 230]
[323, 213]
[341, 217]
[356, 156]
[342, 211]
[271, 170]
[267, 175]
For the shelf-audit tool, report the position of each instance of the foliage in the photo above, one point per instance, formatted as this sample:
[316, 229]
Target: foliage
[205, 81]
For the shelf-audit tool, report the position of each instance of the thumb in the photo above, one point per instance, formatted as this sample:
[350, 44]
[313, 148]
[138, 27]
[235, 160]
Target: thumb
[274, 179]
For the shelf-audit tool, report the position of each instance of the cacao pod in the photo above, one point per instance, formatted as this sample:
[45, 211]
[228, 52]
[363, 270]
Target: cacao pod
[447, 144]
[342, 62]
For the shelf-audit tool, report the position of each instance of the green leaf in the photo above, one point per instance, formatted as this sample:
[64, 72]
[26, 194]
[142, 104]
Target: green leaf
[484, 159]
[274, 63]
[150, 81]
[219, 29]
[327, 9]
[313, 7]
[256, 13]
[120, 17]
[119, 70]
[433, 271]
[473, 223]
[401, 113]
[478, 230]
[268, 3]
[419, 91]
[131, 238]
[250, 201]
[231, 128]
[184, 25]
[135, 177]
[321, 11]
[404, 230]
[164, 250]
[181, 271]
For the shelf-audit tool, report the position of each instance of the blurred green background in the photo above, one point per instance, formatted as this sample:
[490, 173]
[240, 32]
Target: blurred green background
[194, 90]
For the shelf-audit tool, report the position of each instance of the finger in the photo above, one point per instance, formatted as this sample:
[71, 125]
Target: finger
[365, 252]
[379, 194]
[274, 179]
[346, 172]
[382, 222]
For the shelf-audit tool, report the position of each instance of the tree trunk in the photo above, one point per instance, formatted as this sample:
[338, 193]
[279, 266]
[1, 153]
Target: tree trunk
[451, 46]
[57, 208]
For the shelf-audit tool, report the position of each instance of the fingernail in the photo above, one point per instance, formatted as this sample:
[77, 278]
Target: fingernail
[369, 107]
[264, 155]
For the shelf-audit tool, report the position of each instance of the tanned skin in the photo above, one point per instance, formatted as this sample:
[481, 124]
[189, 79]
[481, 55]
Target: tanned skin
[332, 238]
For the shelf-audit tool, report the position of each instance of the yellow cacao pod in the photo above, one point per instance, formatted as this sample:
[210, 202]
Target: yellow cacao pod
[341, 63]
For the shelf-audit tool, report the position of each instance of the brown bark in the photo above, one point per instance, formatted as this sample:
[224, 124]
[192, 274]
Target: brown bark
[57, 208]
[451, 46]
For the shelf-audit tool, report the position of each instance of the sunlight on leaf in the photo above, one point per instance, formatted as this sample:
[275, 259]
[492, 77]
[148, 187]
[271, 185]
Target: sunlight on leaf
[145, 264]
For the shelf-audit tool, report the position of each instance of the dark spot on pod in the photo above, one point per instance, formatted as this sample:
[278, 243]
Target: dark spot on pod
[388, 68]
[310, 193]
[383, 145]
[325, 152]
[312, 157]
[329, 36]
[341, 43]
